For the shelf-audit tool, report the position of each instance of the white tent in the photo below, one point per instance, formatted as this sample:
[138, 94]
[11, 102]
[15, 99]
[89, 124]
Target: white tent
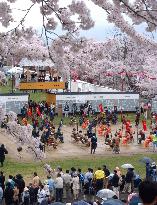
[36, 63]
[15, 70]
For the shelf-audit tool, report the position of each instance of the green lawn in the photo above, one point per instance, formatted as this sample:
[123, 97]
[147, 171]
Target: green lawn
[27, 169]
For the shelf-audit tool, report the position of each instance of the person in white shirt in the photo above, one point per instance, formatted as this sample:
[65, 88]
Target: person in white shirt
[76, 186]
[59, 188]
[41, 194]
[67, 179]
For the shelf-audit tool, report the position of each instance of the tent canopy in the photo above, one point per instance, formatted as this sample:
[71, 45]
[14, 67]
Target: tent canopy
[36, 63]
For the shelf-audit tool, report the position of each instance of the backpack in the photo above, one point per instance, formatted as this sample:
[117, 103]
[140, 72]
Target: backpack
[81, 177]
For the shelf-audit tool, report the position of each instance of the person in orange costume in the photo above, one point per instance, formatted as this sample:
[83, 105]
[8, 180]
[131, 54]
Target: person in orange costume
[148, 140]
[100, 130]
[24, 121]
[126, 138]
[127, 125]
[119, 133]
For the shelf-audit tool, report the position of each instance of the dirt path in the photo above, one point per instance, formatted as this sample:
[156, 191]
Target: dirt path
[68, 149]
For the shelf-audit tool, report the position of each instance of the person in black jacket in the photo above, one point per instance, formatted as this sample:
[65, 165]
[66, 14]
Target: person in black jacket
[128, 181]
[8, 194]
[115, 183]
[2, 180]
[107, 174]
[93, 143]
[3, 151]
[21, 184]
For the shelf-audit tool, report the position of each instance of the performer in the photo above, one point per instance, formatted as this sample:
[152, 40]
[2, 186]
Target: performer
[93, 143]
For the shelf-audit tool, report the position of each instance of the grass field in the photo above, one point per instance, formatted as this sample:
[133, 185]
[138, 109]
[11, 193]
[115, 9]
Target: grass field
[27, 169]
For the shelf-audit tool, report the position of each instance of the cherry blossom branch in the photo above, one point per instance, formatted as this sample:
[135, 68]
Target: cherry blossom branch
[21, 21]
[132, 10]
[47, 39]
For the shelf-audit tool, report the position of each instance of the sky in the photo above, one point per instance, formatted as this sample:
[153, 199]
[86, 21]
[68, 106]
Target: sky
[100, 31]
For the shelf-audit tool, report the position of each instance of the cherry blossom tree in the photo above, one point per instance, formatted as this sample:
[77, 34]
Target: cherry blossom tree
[20, 44]
[118, 62]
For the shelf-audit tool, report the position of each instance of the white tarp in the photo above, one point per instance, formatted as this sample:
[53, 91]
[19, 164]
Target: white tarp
[82, 86]
[36, 63]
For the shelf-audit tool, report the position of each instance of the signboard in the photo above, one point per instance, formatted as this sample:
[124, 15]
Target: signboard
[13, 102]
[41, 85]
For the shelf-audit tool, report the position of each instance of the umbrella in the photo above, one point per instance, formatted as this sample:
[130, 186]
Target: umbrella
[82, 202]
[113, 202]
[105, 193]
[57, 203]
[146, 160]
[127, 166]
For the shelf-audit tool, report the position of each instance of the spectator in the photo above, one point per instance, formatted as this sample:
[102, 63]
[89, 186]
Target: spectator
[16, 194]
[2, 180]
[1, 195]
[128, 181]
[50, 182]
[35, 184]
[115, 183]
[20, 183]
[41, 194]
[81, 178]
[59, 188]
[8, 194]
[11, 181]
[67, 180]
[148, 192]
[32, 194]
[99, 177]
[107, 174]
[76, 186]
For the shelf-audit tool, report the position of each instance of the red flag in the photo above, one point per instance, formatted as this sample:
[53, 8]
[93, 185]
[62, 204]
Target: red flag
[101, 108]
[144, 125]
[29, 112]
[38, 111]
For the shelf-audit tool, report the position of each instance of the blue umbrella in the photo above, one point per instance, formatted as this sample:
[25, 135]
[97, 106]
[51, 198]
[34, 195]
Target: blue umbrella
[82, 202]
[113, 202]
[146, 160]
